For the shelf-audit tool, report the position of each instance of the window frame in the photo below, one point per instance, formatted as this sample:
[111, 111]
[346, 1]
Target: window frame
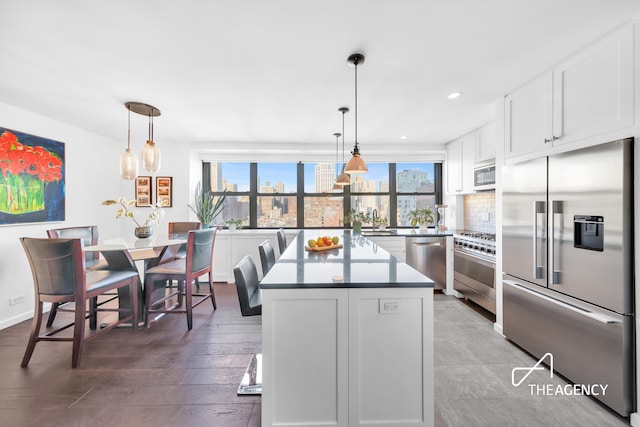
[300, 194]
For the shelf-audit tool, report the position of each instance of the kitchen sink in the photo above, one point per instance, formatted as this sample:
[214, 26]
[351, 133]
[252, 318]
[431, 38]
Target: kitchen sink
[379, 232]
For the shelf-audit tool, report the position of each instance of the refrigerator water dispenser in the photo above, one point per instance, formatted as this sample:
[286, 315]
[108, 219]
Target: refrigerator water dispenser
[588, 232]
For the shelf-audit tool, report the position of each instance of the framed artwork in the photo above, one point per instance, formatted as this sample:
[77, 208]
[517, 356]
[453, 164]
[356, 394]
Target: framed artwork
[144, 195]
[164, 190]
[32, 182]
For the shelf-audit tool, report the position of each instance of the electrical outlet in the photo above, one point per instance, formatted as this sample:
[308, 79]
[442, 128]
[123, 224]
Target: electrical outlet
[389, 306]
[17, 299]
[486, 216]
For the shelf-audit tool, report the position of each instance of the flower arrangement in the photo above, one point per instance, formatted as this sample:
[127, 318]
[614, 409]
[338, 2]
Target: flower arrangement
[25, 171]
[153, 218]
[421, 217]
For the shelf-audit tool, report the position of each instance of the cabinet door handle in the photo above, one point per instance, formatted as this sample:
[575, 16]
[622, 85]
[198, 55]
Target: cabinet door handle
[547, 140]
[555, 138]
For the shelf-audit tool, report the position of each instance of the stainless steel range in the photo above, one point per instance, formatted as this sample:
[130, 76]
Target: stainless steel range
[474, 265]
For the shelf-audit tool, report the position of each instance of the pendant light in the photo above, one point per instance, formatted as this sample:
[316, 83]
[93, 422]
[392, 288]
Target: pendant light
[151, 153]
[336, 187]
[343, 179]
[356, 165]
[128, 160]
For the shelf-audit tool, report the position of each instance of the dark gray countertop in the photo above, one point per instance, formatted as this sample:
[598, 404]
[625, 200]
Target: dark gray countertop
[407, 232]
[359, 264]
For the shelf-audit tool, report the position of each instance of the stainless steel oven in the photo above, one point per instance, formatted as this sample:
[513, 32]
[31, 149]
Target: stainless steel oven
[474, 265]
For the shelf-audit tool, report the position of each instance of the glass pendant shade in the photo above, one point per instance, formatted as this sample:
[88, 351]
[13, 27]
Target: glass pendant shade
[150, 157]
[128, 165]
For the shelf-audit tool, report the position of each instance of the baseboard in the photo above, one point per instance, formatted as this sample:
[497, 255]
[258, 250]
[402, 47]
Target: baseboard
[16, 319]
[498, 328]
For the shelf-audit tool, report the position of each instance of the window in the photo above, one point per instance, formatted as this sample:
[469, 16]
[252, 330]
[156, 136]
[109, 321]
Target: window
[297, 195]
[415, 189]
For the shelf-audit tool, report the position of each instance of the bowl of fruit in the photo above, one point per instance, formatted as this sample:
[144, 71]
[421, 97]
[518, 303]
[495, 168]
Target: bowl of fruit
[323, 243]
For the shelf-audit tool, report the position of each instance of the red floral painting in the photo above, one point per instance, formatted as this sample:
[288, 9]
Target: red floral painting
[31, 178]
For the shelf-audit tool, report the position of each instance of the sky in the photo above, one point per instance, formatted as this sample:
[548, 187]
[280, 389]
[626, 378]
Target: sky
[238, 173]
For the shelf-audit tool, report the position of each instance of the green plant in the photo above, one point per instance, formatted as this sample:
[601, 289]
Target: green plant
[421, 216]
[154, 216]
[237, 222]
[207, 206]
[355, 216]
[381, 221]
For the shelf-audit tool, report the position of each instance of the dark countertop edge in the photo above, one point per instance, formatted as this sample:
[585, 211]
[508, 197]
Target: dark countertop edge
[409, 232]
[429, 284]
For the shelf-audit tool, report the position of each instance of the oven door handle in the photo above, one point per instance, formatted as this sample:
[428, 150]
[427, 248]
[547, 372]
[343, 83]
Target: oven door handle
[474, 258]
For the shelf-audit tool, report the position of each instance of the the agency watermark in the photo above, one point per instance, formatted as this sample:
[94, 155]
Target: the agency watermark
[548, 389]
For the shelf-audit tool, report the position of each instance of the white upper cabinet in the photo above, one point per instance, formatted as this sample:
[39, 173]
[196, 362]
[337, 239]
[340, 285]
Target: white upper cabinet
[588, 95]
[486, 143]
[461, 156]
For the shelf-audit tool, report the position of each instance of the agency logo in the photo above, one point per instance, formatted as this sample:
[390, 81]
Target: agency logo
[529, 370]
[545, 389]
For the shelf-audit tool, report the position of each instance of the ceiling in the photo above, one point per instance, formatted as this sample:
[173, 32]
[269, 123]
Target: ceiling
[270, 72]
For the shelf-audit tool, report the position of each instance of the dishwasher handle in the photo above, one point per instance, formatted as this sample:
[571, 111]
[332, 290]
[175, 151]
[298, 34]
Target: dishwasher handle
[426, 243]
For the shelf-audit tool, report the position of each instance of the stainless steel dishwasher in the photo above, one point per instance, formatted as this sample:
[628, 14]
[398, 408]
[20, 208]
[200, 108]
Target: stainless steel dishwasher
[428, 256]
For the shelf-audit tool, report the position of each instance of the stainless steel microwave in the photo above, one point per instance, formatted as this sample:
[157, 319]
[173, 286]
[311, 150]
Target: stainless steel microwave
[484, 178]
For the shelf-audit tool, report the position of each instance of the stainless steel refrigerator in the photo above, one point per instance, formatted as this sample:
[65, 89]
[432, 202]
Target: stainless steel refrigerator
[568, 265]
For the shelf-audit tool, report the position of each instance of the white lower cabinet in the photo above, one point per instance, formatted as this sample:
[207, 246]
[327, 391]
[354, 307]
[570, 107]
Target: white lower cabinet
[231, 246]
[395, 245]
[347, 357]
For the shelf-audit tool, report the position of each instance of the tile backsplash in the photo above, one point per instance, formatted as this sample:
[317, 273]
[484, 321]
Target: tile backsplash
[480, 212]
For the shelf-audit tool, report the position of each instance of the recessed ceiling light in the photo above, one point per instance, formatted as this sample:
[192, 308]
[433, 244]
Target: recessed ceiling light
[454, 95]
[404, 137]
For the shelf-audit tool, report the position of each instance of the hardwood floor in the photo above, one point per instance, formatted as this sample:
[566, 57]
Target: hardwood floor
[161, 376]
[166, 376]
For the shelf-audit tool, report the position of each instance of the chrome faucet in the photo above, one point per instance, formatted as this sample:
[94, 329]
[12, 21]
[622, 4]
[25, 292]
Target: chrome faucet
[375, 216]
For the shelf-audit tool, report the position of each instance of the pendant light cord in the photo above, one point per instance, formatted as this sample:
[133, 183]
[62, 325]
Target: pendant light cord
[129, 131]
[356, 104]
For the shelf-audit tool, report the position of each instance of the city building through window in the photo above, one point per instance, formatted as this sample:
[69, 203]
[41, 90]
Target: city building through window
[301, 195]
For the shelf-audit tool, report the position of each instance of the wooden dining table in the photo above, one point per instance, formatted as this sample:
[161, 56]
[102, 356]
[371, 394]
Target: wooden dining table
[122, 253]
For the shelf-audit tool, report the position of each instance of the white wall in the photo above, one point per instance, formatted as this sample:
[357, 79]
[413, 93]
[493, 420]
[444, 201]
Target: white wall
[91, 176]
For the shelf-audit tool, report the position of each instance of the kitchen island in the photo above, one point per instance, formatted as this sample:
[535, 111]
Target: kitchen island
[347, 337]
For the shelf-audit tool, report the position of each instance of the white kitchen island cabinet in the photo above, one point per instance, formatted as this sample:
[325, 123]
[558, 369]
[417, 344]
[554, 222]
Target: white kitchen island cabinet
[347, 339]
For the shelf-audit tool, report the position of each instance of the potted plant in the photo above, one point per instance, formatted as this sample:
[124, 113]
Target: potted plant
[357, 219]
[154, 217]
[381, 222]
[207, 206]
[421, 217]
[234, 224]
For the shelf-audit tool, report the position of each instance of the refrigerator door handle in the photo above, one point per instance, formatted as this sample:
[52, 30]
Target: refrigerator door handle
[538, 208]
[557, 208]
[598, 317]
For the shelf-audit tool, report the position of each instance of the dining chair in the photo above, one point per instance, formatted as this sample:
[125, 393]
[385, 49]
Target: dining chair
[282, 240]
[250, 298]
[182, 227]
[198, 262]
[267, 256]
[248, 287]
[89, 236]
[60, 276]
